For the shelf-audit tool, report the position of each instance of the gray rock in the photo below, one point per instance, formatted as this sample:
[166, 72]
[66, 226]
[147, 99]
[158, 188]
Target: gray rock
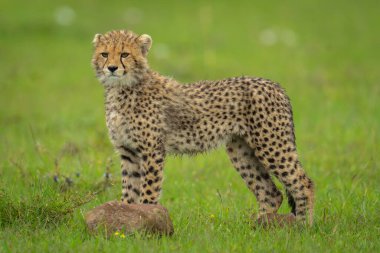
[129, 218]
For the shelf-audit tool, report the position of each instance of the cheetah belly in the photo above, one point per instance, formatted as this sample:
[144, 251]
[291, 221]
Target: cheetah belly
[183, 142]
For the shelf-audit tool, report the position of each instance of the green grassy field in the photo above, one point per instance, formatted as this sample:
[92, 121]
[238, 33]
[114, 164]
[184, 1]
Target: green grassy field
[326, 55]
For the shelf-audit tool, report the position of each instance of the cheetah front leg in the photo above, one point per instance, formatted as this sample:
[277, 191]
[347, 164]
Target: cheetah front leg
[132, 175]
[255, 176]
[152, 163]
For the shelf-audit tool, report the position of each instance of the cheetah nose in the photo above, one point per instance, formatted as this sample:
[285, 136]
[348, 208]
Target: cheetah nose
[112, 68]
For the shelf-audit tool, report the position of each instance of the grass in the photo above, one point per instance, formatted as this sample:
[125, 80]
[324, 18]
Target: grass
[55, 149]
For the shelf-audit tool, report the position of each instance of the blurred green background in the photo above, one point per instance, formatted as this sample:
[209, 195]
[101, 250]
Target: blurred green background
[324, 53]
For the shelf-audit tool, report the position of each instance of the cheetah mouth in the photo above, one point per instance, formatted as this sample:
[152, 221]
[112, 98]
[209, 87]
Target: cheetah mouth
[117, 79]
[113, 75]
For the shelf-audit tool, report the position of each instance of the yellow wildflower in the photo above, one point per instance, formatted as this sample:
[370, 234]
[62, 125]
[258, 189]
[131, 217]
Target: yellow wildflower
[122, 236]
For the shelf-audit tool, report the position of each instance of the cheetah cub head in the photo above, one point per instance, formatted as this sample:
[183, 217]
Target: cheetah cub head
[120, 57]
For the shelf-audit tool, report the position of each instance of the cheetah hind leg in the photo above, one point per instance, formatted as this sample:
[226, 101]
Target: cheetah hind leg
[257, 179]
[289, 172]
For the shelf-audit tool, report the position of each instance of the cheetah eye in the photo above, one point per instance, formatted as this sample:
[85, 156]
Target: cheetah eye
[124, 55]
[104, 54]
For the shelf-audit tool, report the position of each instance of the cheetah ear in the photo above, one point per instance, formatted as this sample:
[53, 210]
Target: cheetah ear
[96, 39]
[145, 42]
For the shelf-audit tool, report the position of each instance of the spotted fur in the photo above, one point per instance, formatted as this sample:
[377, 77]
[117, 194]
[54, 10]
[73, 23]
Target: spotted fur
[150, 116]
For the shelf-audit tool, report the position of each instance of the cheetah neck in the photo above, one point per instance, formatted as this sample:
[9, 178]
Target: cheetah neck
[119, 95]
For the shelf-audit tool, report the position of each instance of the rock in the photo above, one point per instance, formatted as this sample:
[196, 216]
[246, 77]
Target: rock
[275, 220]
[129, 218]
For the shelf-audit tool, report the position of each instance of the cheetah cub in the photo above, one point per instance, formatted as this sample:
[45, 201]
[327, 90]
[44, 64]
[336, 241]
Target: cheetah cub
[149, 116]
